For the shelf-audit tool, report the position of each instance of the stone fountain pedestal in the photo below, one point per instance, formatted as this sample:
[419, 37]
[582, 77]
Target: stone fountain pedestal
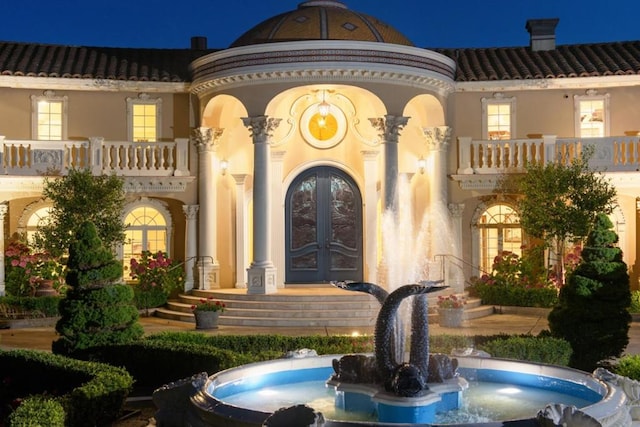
[390, 408]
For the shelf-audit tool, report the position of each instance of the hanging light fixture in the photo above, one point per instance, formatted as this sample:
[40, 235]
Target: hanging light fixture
[324, 107]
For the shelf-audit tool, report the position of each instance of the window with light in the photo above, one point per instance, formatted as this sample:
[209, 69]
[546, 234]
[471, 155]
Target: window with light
[37, 218]
[591, 115]
[144, 115]
[500, 231]
[146, 231]
[498, 117]
[144, 122]
[49, 117]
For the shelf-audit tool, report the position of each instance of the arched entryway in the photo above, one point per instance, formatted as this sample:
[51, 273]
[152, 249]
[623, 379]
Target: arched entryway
[323, 227]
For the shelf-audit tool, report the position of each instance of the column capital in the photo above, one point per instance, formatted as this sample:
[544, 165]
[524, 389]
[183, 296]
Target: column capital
[206, 138]
[370, 155]
[240, 178]
[389, 127]
[261, 127]
[456, 209]
[278, 156]
[190, 211]
[437, 137]
[4, 208]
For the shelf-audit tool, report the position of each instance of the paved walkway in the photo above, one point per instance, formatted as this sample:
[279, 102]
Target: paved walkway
[512, 323]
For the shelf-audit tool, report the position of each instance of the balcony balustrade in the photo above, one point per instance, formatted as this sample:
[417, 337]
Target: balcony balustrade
[611, 154]
[123, 158]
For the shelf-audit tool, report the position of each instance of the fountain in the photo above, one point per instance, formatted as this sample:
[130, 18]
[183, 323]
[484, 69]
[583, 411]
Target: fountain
[382, 389]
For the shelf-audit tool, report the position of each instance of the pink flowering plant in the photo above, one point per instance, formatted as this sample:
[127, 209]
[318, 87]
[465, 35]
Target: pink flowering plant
[209, 304]
[157, 276]
[517, 281]
[25, 270]
[451, 301]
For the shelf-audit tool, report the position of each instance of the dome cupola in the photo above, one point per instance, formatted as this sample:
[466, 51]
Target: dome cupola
[321, 20]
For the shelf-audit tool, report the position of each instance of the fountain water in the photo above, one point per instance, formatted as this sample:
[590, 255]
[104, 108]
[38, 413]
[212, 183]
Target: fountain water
[383, 389]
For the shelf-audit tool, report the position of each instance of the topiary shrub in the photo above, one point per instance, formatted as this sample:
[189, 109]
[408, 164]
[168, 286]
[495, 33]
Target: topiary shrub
[592, 311]
[96, 311]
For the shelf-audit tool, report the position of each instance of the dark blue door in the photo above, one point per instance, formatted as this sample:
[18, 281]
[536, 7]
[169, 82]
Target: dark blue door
[323, 227]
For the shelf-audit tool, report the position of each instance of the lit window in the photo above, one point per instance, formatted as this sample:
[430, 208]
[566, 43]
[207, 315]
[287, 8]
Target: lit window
[49, 117]
[500, 231]
[592, 115]
[144, 118]
[37, 218]
[498, 117]
[147, 230]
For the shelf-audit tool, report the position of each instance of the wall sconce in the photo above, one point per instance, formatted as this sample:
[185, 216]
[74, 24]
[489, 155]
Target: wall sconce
[422, 165]
[224, 165]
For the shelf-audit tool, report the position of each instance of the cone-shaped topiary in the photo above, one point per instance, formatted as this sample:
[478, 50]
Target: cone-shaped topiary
[96, 311]
[592, 310]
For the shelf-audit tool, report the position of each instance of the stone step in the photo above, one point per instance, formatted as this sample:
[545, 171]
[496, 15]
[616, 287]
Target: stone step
[298, 307]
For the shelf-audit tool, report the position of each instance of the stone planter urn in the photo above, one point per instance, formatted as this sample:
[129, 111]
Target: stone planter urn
[450, 317]
[206, 319]
[45, 288]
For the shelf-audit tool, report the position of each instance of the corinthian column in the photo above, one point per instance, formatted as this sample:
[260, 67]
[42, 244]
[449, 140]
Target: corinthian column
[205, 139]
[261, 273]
[3, 211]
[390, 127]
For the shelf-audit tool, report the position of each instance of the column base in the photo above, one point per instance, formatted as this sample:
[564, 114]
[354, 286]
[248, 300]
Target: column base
[209, 276]
[262, 280]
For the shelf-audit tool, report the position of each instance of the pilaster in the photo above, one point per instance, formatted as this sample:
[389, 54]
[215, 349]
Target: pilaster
[191, 244]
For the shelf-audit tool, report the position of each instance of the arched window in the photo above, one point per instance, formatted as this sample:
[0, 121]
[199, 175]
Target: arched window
[147, 231]
[499, 230]
[35, 220]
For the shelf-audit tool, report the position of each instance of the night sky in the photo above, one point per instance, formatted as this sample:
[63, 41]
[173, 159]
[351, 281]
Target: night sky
[430, 24]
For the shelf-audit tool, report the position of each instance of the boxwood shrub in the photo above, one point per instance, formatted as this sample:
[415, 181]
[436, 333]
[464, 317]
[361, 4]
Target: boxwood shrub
[90, 393]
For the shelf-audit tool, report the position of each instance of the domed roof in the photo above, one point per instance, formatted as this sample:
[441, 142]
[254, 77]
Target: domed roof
[321, 20]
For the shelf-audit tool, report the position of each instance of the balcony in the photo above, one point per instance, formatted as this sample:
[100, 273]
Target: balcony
[127, 159]
[479, 161]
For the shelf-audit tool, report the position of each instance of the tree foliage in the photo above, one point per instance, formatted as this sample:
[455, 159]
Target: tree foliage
[592, 310]
[560, 200]
[77, 197]
[97, 310]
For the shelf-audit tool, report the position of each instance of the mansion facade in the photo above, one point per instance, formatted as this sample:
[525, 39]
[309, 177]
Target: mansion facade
[272, 162]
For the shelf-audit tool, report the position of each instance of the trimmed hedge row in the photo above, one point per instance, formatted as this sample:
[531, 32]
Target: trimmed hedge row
[90, 393]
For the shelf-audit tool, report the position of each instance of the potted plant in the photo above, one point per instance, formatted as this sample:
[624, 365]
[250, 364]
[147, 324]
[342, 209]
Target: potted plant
[207, 312]
[451, 310]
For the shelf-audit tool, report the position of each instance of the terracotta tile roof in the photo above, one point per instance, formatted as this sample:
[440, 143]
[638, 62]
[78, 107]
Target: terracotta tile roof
[172, 65]
[520, 63]
[40, 60]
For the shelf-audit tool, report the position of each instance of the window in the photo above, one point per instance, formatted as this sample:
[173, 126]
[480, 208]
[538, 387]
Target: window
[147, 231]
[35, 220]
[500, 230]
[144, 118]
[498, 117]
[592, 115]
[49, 117]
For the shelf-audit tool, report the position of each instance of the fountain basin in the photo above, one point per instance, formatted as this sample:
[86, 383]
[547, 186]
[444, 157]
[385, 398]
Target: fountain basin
[210, 404]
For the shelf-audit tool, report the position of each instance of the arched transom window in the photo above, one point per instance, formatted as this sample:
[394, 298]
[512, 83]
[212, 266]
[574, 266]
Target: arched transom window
[34, 221]
[499, 227]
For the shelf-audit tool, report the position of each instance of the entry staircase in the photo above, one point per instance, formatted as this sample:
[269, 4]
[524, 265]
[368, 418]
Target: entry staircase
[297, 307]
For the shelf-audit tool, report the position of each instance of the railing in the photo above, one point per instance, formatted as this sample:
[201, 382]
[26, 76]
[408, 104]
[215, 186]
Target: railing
[613, 154]
[31, 158]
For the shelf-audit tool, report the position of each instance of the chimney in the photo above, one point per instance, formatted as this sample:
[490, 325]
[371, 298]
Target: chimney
[198, 43]
[543, 33]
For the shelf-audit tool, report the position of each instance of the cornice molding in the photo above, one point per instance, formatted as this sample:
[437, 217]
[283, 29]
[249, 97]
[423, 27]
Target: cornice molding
[433, 83]
[97, 85]
[157, 184]
[548, 84]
